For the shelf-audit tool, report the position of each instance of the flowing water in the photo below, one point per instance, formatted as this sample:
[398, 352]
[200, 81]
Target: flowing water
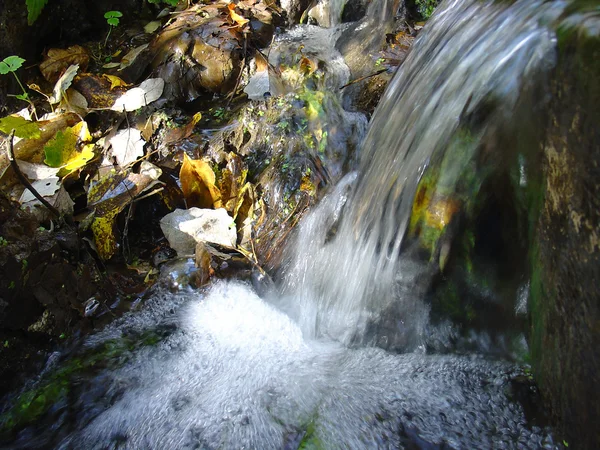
[227, 369]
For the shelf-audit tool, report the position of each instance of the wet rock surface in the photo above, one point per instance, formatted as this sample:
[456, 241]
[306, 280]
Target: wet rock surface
[566, 265]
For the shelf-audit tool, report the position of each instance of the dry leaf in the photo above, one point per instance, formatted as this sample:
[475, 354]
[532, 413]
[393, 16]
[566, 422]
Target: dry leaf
[198, 184]
[31, 150]
[176, 134]
[127, 146]
[151, 27]
[115, 81]
[97, 90]
[57, 60]
[108, 197]
[35, 171]
[46, 188]
[74, 101]
[235, 17]
[147, 92]
[63, 84]
[130, 57]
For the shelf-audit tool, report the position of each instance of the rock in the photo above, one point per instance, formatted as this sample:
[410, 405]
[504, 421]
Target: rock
[565, 299]
[183, 228]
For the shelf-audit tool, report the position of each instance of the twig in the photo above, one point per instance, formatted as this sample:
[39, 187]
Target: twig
[239, 77]
[24, 180]
[363, 78]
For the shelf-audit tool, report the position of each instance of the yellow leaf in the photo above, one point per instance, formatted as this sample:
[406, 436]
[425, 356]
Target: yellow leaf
[104, 235]
[82, 131]
[80, 159]
[239, 20]
[198, 184]
[115, 81]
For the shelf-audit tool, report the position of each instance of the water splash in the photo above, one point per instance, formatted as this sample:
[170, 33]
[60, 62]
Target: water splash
[473, 56]
[234, 372]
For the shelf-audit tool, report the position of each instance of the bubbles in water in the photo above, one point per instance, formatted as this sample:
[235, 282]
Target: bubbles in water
[237, 373]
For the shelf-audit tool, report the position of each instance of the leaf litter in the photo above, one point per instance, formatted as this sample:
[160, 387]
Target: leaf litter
[118, 144]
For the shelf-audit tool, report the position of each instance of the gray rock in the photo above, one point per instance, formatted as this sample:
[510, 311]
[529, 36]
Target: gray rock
[183, 228]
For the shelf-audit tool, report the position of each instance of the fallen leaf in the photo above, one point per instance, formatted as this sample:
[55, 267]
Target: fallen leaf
[57, 60]
[32, 150]
[151, 27]
[46, 188]
[109, 196]
[58, 150]
[97, 90]
[127, 146]
[147, 92]
[130, 57]
[23, 128]
[60, 200]
[111, 65]
[198, 184]
[63, 84]
[244, 214]
[80, 159]
[235, 17]
[62, 150]
[176, 134]
[35, 171]
[115, 81]
[74, 101]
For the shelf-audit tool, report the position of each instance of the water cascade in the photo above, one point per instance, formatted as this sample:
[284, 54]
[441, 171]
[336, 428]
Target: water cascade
[474, 58]
[302, 367]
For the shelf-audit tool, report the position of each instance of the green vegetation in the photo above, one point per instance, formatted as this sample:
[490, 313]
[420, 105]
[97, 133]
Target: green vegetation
[168, 2]
[112, 19]
[34, 9]
[426, 7]
[11, 64]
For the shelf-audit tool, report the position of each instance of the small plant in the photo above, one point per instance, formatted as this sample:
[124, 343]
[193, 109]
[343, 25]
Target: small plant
[3, 242]
[112, 19]
[426, 7]
[34, 9]
[168, 2]
[11, 64]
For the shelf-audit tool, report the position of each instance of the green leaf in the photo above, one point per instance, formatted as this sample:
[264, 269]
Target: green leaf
[34, 9]
[23, 128]
[10, 64]
[60, 148]
[112, 22]
[113, 14]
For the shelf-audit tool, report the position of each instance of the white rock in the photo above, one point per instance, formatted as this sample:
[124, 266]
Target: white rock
[183, 228]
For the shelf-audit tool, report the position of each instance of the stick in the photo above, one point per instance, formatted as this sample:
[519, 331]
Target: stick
[363, 78]
[24, 180]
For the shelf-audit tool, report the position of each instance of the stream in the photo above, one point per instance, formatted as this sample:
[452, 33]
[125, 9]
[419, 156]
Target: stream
[336, 353]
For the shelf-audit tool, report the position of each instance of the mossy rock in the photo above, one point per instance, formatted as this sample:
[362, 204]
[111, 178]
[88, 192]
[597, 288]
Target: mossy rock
[565, 300]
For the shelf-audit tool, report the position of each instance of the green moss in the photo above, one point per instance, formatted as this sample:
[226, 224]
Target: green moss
[310, 440]
[34, 403]
[426, 7]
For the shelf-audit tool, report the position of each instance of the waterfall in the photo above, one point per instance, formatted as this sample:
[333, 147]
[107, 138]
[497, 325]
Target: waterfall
[473, 59]
[299, 368]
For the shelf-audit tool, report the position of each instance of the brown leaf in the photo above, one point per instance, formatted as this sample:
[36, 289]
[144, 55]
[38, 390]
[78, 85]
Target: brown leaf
[57, 60]
[203, 263]
[176, 134]
[198, 184]
[98, 91]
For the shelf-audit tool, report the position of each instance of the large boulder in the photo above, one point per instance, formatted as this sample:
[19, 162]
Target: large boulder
[565, 298]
